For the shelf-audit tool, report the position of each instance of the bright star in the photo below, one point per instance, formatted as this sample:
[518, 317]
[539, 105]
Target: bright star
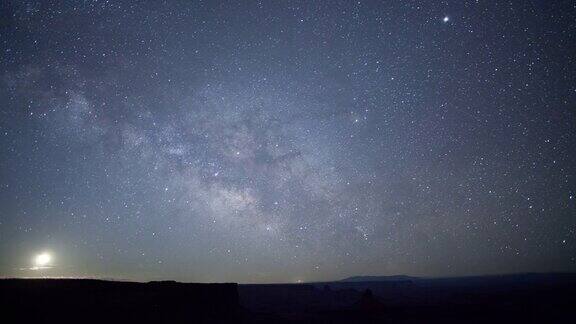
[446, 19]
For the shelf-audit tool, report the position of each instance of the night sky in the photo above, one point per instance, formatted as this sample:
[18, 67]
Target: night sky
[285, 141]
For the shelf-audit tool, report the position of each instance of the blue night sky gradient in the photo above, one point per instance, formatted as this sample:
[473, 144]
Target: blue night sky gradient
[279, 141]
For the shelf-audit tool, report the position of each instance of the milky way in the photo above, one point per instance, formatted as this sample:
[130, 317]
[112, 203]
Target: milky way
[287, 141]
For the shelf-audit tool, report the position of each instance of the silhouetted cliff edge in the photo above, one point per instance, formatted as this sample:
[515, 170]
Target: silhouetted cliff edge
[81, 301]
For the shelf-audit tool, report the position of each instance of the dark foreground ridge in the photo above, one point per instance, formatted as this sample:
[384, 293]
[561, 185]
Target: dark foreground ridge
[99, 301]
[523, 298]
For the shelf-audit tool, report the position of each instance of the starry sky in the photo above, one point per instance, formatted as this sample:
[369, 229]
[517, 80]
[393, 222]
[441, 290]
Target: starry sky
[286, 141]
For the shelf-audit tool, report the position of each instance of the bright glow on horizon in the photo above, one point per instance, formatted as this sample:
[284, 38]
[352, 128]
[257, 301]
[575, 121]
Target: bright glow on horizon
[42, 260]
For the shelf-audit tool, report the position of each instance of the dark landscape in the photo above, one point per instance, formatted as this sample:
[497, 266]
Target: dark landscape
[520, 298]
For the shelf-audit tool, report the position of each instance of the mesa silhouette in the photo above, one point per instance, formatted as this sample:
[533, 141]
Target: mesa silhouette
[507, 298]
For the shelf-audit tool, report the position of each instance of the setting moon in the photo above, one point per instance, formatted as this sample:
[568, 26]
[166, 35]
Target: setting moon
[42, 259]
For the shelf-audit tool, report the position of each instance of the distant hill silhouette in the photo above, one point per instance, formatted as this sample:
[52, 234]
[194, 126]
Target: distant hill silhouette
[378, 278]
